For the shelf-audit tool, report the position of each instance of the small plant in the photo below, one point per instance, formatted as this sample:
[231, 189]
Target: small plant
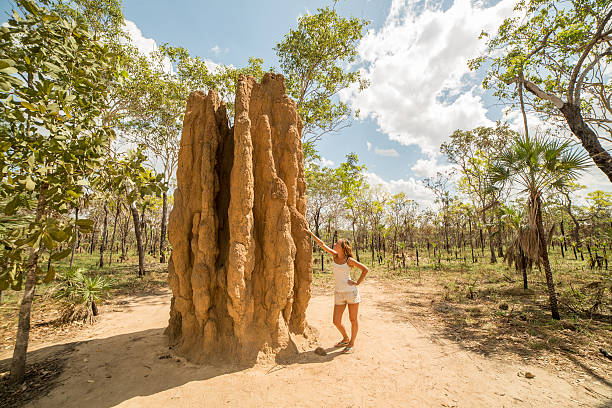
[81, 293]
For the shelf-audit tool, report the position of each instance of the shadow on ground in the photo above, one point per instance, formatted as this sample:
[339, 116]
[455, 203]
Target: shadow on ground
[102, 373]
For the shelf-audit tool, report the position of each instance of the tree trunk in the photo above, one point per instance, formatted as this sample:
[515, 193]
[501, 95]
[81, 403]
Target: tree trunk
[138, 233]
[92, 246]
[164, 223]
[500, 246]
[126, 230]
[112, 245]
[18, 363]
[471, 242]
[355, 242]
[143, 229]
[563, 235]
[576, 229]
[76, 238]
[491, 246]
[104, 236]
[588, 138]
[552, 296]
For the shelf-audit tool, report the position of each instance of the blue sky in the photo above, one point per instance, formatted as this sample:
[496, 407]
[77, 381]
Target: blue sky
[415, 55]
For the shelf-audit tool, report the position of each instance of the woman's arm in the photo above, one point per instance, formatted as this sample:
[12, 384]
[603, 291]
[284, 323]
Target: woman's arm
[364, 270]
[322, 244]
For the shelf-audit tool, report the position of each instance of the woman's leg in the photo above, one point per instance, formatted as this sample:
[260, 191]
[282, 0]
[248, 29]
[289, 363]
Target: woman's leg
[353, 310]
[338, 311]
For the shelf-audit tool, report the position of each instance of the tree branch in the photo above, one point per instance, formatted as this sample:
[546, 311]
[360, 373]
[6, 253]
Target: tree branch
[534, 89]
[570, 91]
[586, 71]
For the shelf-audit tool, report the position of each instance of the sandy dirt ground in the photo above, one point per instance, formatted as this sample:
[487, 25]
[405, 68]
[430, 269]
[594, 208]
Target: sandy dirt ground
[123, 360]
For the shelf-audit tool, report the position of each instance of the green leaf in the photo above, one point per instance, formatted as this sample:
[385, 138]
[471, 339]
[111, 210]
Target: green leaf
[29, 184]
[85, 225]
[9, 70]
[50, 274]
[53, 108]
[12, 205]
[51, 67]
[6, 62]
[29, 106]
[61, 255]
[58, 235]
[48, 241]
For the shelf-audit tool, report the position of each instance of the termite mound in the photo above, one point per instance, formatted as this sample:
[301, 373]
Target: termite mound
[241, 265]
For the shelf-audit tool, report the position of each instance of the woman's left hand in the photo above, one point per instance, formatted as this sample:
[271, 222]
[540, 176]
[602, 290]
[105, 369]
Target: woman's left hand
[352, 282]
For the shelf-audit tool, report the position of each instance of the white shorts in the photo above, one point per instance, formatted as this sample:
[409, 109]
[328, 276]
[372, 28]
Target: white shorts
[342, 298]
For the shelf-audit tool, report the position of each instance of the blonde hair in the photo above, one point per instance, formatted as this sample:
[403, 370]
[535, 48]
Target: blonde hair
[346, 247]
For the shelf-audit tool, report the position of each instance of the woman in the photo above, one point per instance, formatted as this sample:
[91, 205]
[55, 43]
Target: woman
[345, 288]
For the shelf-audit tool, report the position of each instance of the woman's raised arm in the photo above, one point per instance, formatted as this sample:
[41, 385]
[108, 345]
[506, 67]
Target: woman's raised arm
[322, 244]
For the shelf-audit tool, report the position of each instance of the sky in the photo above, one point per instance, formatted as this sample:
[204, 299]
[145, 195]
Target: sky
[415, 55]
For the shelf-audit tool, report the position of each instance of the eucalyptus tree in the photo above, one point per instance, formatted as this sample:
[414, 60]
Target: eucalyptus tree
[316, 58]
[129, 176]
[352, 184]
[537, 166]
[321, 190]
[472, 151]
[440, 185]
[54, 77]
[558, 51]
[373, 206]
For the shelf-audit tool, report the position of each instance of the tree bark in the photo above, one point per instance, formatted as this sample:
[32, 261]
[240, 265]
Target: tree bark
[126, 230]
[500, 245]
[552, 296]
[471, 242]
[576, 229]
[76, 231]
[112, 245]
[355, 243]
[587, 138]
[18, 363]
[138, 233]
[164, 227]
[104, 236]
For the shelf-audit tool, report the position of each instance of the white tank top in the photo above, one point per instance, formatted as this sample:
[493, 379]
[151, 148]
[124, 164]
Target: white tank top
[342, 273]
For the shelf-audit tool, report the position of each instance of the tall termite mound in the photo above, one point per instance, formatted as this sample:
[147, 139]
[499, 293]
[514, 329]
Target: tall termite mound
[240, 269]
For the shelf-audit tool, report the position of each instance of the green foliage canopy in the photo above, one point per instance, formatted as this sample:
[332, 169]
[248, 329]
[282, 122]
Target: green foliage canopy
[54, 77]
[314, 58]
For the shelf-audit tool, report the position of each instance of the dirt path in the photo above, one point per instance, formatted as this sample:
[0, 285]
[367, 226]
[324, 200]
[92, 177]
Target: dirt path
[123, 361]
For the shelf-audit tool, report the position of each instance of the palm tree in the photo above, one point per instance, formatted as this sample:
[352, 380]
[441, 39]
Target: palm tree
[538, 165]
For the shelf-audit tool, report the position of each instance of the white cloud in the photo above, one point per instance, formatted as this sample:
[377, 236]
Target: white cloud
[326, 162]
[148, 45]
[417, 62]
[218, 50]
[429, 167]
[145, 45]
[415, 190]
[211, 65]
[386, 152]
[369, 145]
[593, 179]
